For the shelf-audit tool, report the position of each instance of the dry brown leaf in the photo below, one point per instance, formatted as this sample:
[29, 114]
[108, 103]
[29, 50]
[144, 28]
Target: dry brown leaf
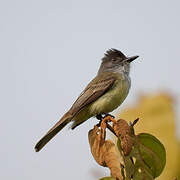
[96, 142]
[123, 131]
[111, 159]
[104, 152]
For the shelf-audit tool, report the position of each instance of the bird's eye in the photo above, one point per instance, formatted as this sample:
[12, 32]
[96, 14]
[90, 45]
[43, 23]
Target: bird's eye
[114, 60]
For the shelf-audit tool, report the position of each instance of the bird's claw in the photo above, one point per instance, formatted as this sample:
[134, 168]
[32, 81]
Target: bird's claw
[109, 118]
[106, 114]
[101, 117]
[105, 119]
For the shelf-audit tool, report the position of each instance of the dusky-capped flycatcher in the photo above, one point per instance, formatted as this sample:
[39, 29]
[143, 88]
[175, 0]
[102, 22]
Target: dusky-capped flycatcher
[101, 96]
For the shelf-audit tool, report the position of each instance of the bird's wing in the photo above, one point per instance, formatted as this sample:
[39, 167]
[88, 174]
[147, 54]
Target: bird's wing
[96, 88]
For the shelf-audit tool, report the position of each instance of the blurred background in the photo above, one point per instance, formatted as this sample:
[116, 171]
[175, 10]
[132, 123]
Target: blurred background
[50, 50]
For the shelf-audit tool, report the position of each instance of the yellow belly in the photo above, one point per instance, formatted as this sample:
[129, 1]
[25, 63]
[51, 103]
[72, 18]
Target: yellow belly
[111, 99]
[106, 103]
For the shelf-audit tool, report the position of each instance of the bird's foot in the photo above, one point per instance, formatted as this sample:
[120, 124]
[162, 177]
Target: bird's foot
[99, 117]
[106, 114]
[109, 118]
[105, 119]
[103, 123]
[103, 115]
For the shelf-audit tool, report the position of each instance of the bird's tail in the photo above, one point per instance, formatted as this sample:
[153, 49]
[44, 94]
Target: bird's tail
[53, 131]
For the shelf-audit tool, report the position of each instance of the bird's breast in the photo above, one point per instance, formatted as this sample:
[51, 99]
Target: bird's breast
[112, 98]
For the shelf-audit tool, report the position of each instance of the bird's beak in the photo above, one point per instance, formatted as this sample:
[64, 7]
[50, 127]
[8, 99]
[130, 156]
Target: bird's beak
[132, 58]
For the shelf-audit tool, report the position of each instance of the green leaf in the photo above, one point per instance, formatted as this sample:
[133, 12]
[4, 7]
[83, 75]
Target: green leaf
[149, 158]
[141, 171]
[129, 166]
[107, 178]
[152, 152]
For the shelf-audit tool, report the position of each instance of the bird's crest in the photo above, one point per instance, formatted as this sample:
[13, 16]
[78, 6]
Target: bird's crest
[113, 53]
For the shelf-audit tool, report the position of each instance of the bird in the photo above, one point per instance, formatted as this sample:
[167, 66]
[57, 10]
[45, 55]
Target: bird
[101, 96]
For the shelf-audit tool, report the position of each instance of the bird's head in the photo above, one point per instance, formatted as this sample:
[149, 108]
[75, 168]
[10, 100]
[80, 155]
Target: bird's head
[116, 61]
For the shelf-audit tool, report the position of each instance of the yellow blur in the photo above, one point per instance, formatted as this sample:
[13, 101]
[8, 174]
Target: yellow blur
[157, 117]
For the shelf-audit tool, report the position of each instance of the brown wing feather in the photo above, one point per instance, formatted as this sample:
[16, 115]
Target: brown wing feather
[96, 88]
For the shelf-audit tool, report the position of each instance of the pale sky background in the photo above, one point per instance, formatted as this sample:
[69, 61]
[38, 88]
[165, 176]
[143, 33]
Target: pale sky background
[50, 50]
